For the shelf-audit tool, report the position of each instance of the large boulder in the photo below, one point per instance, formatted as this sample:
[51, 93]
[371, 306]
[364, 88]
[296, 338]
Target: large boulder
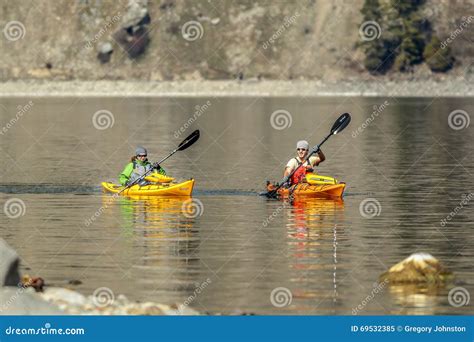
[9, 262]
[418, 268]
[136, 14]
[133, 32]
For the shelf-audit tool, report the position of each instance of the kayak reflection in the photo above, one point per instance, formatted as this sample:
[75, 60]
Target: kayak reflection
[152, 216]
[313, 233]
[164, 241]
[310, 217]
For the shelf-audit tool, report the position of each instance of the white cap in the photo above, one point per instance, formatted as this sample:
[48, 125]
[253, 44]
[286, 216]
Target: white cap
[302, 144]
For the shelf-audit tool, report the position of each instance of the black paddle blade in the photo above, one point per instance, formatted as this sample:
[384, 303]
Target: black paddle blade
[341, 123]
[269, 194]
[191, 139]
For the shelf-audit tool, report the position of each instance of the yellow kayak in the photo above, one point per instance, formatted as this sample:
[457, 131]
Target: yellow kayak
[164, 189]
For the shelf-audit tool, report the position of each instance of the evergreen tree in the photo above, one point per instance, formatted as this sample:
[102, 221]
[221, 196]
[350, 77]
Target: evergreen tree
[377, 51]
[438, 59]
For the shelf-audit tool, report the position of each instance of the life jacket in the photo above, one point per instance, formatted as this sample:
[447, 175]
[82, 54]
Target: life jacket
[139, 170]
[299, 175]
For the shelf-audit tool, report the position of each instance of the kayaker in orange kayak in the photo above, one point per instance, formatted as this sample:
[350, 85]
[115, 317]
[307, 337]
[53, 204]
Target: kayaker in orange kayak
[302, 149]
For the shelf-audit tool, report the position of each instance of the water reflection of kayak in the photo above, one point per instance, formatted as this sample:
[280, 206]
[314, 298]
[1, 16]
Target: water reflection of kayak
[150, 216]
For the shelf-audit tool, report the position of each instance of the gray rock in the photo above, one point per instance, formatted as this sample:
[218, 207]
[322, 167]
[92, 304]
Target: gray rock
[104, 52]
[24, 301]
[9, 262]
[136, 14]
[105, 47]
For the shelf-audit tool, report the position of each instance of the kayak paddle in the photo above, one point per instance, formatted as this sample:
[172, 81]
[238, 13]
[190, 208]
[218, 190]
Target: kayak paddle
[191, 139]
[338, 126]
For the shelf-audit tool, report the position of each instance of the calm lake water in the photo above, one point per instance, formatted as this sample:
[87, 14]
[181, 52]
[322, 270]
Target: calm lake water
[402, 158]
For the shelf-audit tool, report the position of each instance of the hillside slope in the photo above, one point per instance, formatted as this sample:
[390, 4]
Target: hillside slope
[243, 39]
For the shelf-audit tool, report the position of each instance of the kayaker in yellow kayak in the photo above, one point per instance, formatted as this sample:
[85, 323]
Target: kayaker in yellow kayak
[302, 150]
[137, 167]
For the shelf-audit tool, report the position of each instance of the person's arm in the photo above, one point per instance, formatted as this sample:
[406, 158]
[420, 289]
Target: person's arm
[289, 168]
[160, 170]
[125, 175]
[319, 158]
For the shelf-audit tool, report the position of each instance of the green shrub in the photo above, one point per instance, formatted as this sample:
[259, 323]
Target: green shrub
[405, 7]
[401, 63]
[438, 59]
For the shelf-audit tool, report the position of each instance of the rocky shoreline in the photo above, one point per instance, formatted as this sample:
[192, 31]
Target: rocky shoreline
[373, 87]
[28, 296]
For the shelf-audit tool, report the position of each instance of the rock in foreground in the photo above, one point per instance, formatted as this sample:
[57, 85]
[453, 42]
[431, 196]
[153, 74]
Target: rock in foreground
[19, 297]
[9, 261]
[418, 268]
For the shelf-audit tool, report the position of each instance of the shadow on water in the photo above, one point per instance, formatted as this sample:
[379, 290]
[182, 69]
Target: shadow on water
[90, 190]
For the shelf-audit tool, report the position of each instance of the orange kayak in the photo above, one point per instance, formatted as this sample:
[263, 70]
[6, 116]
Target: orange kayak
[308, 190]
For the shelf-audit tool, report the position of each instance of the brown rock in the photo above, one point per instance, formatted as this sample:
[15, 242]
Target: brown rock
[418, 268]
[133, 35]
[35, 282]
